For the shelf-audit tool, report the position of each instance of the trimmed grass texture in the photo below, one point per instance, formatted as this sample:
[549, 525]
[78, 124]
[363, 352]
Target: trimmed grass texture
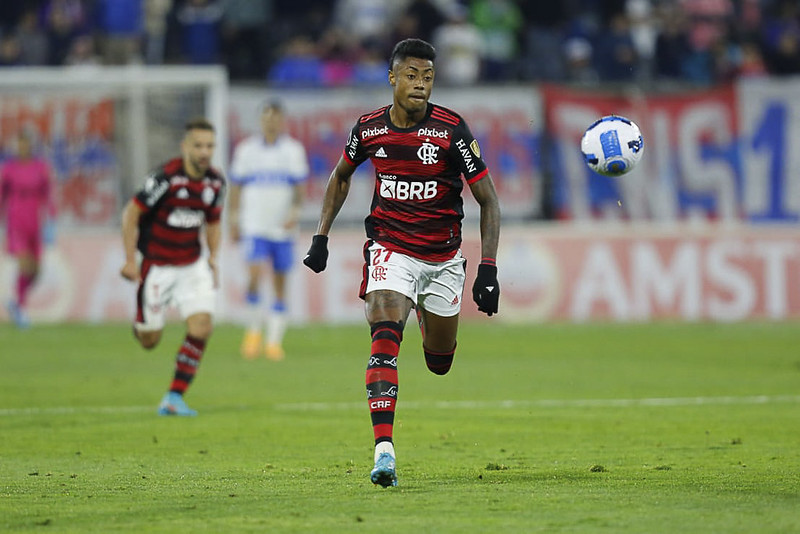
[550, 428]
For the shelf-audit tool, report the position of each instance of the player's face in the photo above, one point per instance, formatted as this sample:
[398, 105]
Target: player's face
[198, 148]
[271, 123]
[412, 80]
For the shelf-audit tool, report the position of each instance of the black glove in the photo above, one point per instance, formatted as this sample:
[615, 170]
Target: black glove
[317, 256]
[486, 289]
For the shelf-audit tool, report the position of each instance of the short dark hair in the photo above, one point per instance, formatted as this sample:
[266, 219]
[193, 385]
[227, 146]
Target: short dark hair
[198, 124]
[412, 48]
[272, 105]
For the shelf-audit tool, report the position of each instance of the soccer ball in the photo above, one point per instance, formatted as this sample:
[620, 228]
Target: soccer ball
[612, 145]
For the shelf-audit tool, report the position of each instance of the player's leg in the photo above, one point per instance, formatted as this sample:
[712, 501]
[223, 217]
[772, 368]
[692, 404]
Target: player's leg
[388, 289]
[195, 296]
[439, 340]
[438, 308]
[154, 288]
[255, 254]
[282, 256]
[387, 312]
[24, 243]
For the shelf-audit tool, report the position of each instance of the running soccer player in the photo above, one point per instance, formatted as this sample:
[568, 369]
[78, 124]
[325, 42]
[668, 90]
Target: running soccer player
[412, 255]
[163, 221]
[26, 198]
[267, 179]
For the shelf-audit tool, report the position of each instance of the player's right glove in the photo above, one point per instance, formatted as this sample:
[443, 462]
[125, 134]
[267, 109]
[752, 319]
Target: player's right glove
[317, 256]
[486, 289]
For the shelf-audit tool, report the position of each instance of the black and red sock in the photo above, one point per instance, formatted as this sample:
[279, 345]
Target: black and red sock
[381, 377]
[439, 362]
[186, 363]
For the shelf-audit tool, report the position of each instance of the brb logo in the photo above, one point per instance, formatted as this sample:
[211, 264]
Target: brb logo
[395, 189]
[428, 153]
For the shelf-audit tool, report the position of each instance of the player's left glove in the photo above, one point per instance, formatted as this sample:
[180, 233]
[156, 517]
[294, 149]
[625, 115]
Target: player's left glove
[317, 256]
[486, 289]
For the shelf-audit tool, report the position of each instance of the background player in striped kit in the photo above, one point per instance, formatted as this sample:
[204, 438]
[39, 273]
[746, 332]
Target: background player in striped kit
[26, 201]
[163, 221]
[268, 174]
[420, 152]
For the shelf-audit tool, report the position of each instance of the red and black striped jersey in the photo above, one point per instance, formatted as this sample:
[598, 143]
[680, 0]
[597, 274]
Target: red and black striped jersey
[175, 207]
[417, 206]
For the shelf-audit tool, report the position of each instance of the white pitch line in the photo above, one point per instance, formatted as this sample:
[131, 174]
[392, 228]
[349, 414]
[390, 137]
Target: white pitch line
[452, 405]
[552, 403]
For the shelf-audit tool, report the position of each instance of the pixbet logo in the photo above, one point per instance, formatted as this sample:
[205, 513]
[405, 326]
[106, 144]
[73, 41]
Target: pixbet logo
[430, 132]
[372, 132]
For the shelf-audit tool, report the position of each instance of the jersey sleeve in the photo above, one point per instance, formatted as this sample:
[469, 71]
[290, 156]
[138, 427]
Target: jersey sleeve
[300, 169]
[238, 165]
[354, 152]
[466, 154]
[214, 211]
[155, 187]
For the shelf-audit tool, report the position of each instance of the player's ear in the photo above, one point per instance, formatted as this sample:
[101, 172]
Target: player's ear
[391, 78]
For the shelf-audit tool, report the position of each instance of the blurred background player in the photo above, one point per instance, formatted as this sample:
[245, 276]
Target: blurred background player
[413, 252]
[164, 221]
[26, 199]
[267, 179]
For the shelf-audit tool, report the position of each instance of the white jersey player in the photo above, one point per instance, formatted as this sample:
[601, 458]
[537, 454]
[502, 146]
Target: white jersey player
[268, 174]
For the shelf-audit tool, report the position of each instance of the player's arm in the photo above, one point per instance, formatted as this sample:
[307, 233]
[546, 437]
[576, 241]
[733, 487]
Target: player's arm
[484, 192]
[298, 195]
[486, 288]
[234, 201]
[213, 240]
[130, 233]
[335, 194]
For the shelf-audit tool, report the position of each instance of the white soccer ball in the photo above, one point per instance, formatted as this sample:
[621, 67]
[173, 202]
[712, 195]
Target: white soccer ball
[612, 145]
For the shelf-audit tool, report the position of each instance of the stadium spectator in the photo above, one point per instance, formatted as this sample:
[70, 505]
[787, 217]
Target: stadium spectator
[199, 22]
[298, 66]
[268, 175]
[82, 53]
[246, 36]
[458, 49]
[26, 201]
[499, 21]
[155, 30]
[370, 68]
[63, 20]
[366, 19]
[420, 152]
[781, 36]
[544, 35]
[10, 51]
[428, 15]
[120, 24]
[672, 45]
[32, 40]
[615, 54]
[163, 222]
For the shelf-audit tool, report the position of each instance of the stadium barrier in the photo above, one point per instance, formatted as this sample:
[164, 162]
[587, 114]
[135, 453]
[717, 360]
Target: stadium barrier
[569, 272]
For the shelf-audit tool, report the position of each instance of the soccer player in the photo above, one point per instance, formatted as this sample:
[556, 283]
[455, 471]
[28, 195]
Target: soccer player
[26, 199]
[267, 179]
[164, 221]
[412, 255]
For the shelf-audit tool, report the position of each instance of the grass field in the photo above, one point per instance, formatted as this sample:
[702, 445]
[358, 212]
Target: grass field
[556, 428]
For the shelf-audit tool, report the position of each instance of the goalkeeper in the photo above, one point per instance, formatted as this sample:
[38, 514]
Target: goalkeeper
[413, 259]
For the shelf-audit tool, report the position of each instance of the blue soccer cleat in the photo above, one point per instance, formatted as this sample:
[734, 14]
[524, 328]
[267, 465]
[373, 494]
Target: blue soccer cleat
[18, 315]
[384, 471]
[173, 404]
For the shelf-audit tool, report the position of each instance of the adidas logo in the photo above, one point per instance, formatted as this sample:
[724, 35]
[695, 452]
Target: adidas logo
[381, 153]
[455, 301]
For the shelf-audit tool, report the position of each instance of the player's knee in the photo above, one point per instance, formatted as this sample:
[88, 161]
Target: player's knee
[148, 340]
[200, 327]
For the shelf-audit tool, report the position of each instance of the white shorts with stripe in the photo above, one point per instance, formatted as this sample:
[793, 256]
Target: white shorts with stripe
[433, 286]
[188, 288]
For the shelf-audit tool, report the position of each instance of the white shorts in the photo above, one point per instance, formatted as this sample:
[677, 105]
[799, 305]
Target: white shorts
[189, 288]
[433, 286]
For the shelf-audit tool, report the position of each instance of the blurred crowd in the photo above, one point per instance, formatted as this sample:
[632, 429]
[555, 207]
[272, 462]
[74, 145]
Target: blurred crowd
[347, 42]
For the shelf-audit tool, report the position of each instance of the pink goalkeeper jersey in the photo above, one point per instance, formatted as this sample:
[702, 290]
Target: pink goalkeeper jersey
[25, 191]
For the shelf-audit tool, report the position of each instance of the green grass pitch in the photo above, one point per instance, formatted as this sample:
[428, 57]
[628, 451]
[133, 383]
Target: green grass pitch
[640, 428]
